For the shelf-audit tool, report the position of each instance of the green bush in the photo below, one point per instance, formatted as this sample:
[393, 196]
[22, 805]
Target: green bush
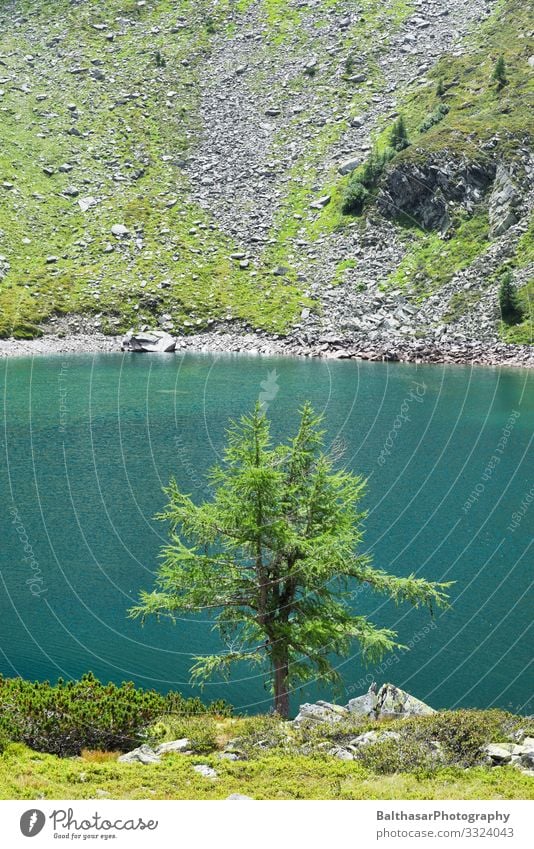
[434, 118]
[201, 731]
[354, 198]
[260, 733]
[364, 180]
[404, 755]
[68, 717]
[463, 732]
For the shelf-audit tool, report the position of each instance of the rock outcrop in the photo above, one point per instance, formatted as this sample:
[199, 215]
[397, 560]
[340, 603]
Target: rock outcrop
[388, 702]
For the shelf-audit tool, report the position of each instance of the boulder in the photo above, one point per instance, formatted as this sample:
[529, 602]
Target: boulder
[144, 755]
[119, 230]
[205, 770]
[370, 737]
[182, 745]
[154, 341]
[235, 797]
[341, 753]
[388, 701]
[498, 753]
[321, 712]
[348, 166]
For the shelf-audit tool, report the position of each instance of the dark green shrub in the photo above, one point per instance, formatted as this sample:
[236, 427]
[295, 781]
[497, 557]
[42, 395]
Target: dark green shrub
[404, 755]
[463, 732]
[160, 60]
[354, 198]
[434, 118]
[68, 717]
[511, 309]
[440, 88]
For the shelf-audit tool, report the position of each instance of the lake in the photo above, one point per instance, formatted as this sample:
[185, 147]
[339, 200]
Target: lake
[88, 442]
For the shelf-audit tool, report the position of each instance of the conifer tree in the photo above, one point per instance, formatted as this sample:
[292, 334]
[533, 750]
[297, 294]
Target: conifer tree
[275, 555]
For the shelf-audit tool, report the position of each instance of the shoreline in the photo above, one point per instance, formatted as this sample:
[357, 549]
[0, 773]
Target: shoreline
[326, 347]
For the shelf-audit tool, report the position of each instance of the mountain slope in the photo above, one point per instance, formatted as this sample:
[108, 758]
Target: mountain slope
[178, 163]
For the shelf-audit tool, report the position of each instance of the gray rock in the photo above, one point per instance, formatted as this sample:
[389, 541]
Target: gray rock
[388, 701]
[239, 797]
[321, 712]
[320, 203]
[370, 737]
[182, 745]
[119, 230]
[348, 166]
[498, 753]
[153, 341]
[87, 203]
[205, 770]
[503, 203]
[341, 753]
[143, 754]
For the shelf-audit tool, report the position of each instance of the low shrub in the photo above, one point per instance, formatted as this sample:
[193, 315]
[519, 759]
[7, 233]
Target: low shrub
[201, 731]
[354, 198]
[434, 118]
[65, 718]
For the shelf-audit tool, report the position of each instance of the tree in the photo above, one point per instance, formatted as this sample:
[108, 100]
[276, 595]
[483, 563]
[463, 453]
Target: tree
[499, 73]
[511, 310]
[399, 135]
[275, 555]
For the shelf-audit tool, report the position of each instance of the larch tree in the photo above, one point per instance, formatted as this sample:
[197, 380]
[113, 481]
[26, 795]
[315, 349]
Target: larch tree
[275, 556]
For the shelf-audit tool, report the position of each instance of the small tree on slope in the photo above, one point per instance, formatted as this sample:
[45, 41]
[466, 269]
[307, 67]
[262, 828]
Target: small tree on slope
[275, 554]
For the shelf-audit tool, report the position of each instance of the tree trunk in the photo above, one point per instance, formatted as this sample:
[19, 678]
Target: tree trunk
[281, 675]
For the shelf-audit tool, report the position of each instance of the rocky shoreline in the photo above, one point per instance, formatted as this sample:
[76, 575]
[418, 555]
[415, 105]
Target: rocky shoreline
[330, 346]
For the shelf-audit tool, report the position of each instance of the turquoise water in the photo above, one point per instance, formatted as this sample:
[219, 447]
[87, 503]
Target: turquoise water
[89, 441]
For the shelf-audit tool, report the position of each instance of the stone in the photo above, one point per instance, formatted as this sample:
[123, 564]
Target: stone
[154, 341]
[143, 754]
[498, 753]
[503, 201]
[341, 753]
[87, 203]
[71, 191]
[182, 745]
[388, 701]
[239, 797]
[321, 712]
[119, 230]
[370, 737]
[348, 166]
[205, 770]
[320, 203]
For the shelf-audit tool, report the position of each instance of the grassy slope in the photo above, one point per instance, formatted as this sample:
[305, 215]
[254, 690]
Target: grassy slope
[128, 157]
[281, 772]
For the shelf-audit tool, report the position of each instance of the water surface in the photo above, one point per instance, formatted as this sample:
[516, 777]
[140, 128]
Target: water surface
[89, 441]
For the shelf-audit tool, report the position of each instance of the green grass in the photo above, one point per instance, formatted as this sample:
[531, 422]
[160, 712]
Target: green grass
[27, 775]
[431, 261]
[130, 161]
[287, 768]
[522, 333]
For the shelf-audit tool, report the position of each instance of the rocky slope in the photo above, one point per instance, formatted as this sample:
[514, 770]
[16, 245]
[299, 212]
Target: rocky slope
[185, 165]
